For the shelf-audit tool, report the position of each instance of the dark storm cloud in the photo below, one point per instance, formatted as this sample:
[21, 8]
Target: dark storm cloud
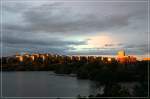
[50, 42]
[14, 8]
[74, 19]
[80, 19]
[66, 21]
[20, 29]
[52, 18]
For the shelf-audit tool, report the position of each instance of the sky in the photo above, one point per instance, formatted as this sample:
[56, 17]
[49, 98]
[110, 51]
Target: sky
[84, 27]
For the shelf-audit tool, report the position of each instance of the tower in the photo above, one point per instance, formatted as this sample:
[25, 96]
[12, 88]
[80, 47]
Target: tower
[121, 56]
[121, 53]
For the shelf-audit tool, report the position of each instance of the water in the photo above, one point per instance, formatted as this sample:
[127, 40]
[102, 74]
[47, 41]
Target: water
[45, 84]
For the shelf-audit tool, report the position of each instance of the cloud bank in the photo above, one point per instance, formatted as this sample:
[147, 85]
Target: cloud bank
[66, 27]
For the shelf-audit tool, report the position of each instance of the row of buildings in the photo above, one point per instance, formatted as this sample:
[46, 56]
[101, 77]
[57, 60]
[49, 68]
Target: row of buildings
[121, 58]
[47, 58]
[53, 58]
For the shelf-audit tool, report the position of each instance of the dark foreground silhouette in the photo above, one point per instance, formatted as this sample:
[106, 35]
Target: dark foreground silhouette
[107, 73]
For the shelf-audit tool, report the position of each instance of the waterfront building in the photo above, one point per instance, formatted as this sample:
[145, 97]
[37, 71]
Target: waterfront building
[32, 57]
[20, 58]
[146, 59]
[122, 58]
[42, 56]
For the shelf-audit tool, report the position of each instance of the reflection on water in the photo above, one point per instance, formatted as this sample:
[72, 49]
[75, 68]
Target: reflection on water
[46, 84]
[49, 84]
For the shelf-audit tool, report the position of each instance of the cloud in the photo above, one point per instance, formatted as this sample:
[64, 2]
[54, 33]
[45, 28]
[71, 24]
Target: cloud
[61, 18]
[109, 45]
[51, 42]
[142, 48]
[14, 7]
[56, 25]
[71, 20]
[136, 49]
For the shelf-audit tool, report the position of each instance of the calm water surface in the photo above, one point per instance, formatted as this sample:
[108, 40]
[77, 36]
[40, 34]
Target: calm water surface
[45, 84]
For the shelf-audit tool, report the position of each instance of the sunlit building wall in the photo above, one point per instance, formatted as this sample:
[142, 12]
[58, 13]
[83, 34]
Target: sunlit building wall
[32, 57]
[36, 55]
[122, 58]
[19, 58]
[146, 59]
[121, 53]
[109, 59]
[43, 57]
[132, 59]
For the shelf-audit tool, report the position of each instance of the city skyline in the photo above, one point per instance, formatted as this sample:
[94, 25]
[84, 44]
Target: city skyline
[81, 28]
[139, 58]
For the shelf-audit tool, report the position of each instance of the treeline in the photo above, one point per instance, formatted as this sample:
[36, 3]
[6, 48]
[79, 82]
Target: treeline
[115, 90]
[105, 72]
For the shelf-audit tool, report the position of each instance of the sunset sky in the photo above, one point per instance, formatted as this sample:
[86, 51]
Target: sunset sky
[75, 28]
